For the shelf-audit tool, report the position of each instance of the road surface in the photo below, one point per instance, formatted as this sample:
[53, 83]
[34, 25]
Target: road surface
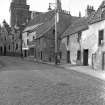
[28, 83]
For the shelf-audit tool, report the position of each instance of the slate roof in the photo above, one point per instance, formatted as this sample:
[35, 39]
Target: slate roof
[77, 25]
[43, 23]
[82, 23]
[99, 14]
[42, 18]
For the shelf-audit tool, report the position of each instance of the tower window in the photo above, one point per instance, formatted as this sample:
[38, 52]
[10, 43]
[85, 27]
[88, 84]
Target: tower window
[33, 37]
[67, 40]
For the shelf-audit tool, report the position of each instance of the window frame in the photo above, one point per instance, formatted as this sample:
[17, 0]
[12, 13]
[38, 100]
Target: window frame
[100, 39]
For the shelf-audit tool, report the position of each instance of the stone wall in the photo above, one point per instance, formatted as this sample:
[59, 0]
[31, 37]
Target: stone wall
[90, 41]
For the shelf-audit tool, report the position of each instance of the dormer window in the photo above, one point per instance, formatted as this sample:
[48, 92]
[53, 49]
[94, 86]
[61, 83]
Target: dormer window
[103, 9]
[33, 37]
[53, 31]
[103, 13]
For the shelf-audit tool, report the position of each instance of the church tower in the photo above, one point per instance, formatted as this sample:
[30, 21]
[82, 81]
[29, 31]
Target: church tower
[19, 12]
[59, 5]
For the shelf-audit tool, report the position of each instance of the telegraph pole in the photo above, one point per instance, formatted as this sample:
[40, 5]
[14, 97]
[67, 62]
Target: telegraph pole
[56, 11]
[56, 20]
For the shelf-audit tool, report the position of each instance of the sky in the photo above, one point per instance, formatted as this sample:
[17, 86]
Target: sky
[74, 6]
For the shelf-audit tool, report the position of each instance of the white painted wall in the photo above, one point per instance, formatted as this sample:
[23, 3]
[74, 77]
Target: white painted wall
[73, 47]
[90, 38]
[24, 37]
[29, 36]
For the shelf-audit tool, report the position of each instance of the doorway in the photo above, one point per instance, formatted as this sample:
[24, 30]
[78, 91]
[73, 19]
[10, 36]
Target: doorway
[68, 56]
[85, 57]
[25, 53]
[41, 54]
[1, 50]
[5, 51]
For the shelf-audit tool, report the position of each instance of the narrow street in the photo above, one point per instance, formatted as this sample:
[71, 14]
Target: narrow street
[24, 82]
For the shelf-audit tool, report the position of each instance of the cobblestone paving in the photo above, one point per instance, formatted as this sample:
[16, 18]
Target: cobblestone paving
[41, 91]
[49, 87]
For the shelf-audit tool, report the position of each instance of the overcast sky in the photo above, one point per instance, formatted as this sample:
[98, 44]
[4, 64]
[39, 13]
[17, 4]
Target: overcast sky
[74, 6]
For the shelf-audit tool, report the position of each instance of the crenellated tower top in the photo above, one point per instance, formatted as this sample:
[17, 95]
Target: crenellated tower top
[23, 2]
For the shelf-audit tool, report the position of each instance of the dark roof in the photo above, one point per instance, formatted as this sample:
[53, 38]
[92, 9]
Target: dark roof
[64, 21]
[99, 14]
[76, 26]
[46, 21]
[42, 29]
[41, 18]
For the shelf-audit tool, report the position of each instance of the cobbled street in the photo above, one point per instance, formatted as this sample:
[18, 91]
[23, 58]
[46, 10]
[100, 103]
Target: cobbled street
[25, 82]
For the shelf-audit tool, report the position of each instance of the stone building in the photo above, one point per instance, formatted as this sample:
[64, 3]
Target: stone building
[71, 40]
[43, 29]
[9, 41]
[90, 50]
[71, 44]
[20, 13]
[11, 38]
[94, 39]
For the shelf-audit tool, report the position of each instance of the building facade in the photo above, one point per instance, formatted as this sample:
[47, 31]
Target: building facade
[9, 41]
[43, 27]
[72, 40]
[89, 48]
[94, 39]
[20, 13]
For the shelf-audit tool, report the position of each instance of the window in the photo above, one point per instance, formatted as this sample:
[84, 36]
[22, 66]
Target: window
[39, 41]
[67, 40]
[53, 31]
[5, 38]
[9, 47]
[78, 55]
[100, 37]
[27, 41]
[79, 36]
[1, 39]
[16, 46]
[33, 37]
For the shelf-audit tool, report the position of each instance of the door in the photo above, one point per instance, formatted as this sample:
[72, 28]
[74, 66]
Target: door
[85, 57]
[25, 53]
[1, 50]
[41, 55]
[5, 51]
[68, 56]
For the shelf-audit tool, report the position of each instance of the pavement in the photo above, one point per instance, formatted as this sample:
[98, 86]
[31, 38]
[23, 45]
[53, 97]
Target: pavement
[100, 74]
[82, 69]
[86, 70]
